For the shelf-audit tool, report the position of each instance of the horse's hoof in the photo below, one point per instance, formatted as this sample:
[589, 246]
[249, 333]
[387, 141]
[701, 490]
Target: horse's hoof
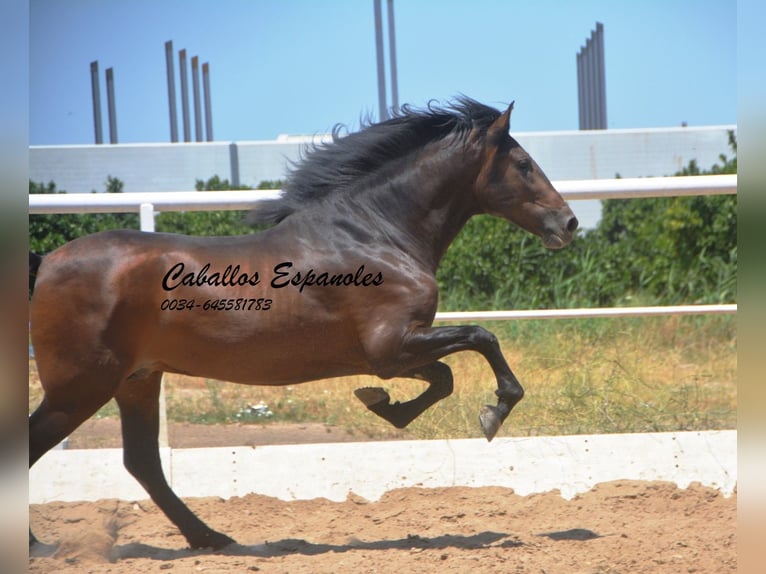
[490, 420]
[372, 396]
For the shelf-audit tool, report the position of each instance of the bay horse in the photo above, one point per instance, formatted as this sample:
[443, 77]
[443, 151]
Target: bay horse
[343, 283]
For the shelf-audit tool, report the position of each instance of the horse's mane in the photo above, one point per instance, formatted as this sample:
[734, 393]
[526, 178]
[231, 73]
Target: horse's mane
[338, 166]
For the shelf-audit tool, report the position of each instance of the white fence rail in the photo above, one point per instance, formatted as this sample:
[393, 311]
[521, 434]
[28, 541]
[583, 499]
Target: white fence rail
[625, 188]
[147, 203]
[582, 313]
[643, 187]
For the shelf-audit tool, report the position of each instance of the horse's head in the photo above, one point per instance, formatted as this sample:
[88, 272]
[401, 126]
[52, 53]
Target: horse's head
[512, 185]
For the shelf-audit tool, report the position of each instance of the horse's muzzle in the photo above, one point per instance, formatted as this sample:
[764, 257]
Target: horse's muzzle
[561, 230]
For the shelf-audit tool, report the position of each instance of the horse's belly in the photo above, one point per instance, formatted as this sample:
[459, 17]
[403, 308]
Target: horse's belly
[273, 353]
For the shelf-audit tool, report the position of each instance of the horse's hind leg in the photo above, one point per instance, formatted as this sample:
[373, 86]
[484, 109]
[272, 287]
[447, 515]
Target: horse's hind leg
[138, 400]
[64, 408]
[61, 411]
[439, 377]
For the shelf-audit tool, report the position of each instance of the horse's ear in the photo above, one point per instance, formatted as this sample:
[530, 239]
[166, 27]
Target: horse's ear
[500, 127]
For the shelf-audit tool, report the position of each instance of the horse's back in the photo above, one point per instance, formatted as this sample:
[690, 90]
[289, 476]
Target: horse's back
[218, 316]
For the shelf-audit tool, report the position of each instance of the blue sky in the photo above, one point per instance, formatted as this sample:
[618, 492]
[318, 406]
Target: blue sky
[301, 66]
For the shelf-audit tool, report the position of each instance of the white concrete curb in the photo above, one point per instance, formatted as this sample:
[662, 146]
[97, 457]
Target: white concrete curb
[571, 464]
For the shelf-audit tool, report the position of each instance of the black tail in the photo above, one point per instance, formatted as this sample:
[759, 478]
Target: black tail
[34, 264]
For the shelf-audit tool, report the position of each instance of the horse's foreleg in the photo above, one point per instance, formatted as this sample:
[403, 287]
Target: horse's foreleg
[139, 410]
[427, 345]
[439, 378]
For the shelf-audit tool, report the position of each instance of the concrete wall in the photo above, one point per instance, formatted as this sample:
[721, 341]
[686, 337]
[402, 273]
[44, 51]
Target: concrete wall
[175, 167]
[629, 153]
[144, 167]
[571, 464]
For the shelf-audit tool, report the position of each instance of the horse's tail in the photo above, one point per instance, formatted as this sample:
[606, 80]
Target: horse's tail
[34, 264]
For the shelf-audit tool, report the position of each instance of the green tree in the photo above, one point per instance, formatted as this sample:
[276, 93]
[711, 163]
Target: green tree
[204, 222]
[47, 232]
[677, 249]
[211, 223]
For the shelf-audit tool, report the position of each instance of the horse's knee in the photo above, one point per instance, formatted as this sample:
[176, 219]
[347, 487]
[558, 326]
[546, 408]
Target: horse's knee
[482, 338]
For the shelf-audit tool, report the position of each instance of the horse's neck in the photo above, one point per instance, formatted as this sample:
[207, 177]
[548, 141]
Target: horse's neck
[429, 205]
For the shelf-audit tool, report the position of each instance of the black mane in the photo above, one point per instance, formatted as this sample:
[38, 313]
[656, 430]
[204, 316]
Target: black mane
[336, 167]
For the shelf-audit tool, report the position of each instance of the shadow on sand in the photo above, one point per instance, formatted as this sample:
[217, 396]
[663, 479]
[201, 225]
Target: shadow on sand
[298, 546]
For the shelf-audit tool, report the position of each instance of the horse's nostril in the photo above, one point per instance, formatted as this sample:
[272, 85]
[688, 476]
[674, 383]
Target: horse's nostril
[572, 224]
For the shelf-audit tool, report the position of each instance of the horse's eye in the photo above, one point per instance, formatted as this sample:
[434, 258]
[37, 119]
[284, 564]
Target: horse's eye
[525, 166]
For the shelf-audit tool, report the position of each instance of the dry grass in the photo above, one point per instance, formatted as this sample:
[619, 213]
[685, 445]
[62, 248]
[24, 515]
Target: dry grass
[598, 376]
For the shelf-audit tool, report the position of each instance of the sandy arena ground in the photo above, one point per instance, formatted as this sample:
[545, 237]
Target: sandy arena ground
[620, 527]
